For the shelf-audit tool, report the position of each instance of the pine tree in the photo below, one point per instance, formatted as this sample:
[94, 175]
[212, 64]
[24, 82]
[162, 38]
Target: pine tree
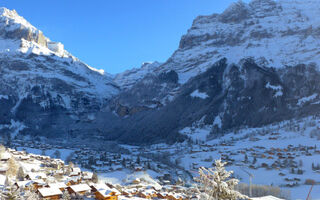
[95, 177]
[138, 160]
[57, 154]
[246, 159]
[254, 160]
[216, 184]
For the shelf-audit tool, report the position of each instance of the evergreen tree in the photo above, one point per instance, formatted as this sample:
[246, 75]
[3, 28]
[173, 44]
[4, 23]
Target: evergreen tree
[216, 183]
[254, 160]
[138, 160]
[57, 154]
[20, 175]
[95, 177]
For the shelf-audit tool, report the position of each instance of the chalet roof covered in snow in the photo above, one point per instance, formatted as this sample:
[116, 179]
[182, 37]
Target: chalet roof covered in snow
[24, 183]
[80, 187]
[47, 192]
[266, 198]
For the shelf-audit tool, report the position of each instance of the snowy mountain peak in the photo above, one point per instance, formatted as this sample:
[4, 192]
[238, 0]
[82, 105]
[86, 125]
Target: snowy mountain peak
[14, 20]
[282, 33]
[17, 36]
[13, 26]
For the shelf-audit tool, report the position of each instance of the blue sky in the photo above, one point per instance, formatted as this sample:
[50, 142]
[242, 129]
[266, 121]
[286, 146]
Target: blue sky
[116, 35]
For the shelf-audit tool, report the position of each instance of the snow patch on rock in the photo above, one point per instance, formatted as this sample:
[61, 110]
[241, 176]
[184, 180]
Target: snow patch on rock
[198, 94]
[276, 88]
[217, 121]
[307, 99]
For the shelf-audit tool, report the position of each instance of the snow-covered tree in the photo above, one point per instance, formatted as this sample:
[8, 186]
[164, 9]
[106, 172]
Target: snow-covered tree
[12, 167]
[31, 195]
[66, 195]
[11, 194]
[2, 150]
[216, 184]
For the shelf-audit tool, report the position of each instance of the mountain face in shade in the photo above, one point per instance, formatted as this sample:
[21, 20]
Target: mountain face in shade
[252, 65]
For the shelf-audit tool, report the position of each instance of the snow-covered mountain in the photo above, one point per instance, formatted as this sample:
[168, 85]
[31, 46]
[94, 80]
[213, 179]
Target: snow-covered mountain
[39, 79]
[248, 66]
[254, 64]
[274, 33]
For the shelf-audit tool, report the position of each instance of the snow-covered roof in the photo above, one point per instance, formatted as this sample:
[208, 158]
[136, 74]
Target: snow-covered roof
[104, 190]
[46, 192]
[5, 155]
[24, 183]
[80, 187]
[76, 170]
[266, 198]
[36, 175]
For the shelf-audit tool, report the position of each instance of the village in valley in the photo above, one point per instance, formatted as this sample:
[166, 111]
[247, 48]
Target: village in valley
[34, 176]
[280, 159]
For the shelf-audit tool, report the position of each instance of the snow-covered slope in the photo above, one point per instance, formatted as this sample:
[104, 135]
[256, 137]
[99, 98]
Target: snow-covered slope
[128, 78]
[275, 33]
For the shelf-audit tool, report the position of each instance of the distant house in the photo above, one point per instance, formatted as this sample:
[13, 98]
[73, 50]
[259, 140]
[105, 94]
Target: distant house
[87, 175]
[76, 171]
[5, 156]
[106, 194]
[173, 196]
[24, 184]
[144, 194]
[74, 180]
[3, 170]
[36, 175]
[50, 193]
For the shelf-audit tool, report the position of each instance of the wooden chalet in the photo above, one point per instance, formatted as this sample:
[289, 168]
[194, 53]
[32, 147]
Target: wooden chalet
[106, 194]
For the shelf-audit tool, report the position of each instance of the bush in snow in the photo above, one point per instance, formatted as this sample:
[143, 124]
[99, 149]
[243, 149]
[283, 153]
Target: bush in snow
[216, 184]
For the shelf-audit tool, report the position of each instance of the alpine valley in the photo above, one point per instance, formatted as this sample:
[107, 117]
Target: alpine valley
[242, 85]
